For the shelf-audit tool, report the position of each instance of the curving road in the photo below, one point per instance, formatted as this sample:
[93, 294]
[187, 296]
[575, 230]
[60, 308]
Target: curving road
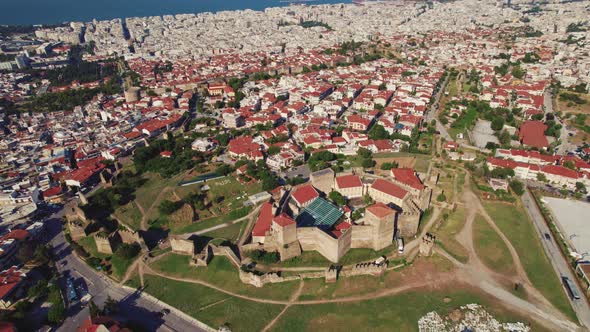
[133, 305]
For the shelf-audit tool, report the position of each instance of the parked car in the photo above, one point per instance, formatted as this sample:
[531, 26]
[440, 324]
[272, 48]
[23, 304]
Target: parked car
[547, 237]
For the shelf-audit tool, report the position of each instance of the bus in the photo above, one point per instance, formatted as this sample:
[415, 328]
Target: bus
[571, 288]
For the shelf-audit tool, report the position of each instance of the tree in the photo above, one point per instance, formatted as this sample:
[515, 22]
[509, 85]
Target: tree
[93, 308]
[337, 198]
[497, 124]
[168, 207]
[378, 132]
[364, 153]
[504, 138]
[541, 177]
[128, 251]
[517, 187]
[569, 164]
[223, 170]
[368, 163]
[273, 150]
[57, 313]
[502, 173]
[580, 187]
[110, 306]
[441, 197]
[368, 199]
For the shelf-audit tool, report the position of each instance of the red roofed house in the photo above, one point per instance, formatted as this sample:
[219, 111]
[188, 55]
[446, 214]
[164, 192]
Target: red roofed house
[166, 154]
[304, 195]
[407, 179]
[562, 176]
[532, 133]
[102, 324]
[245, 147]
[10, 282]
[357, 122]
[388, 192]
[262, 225]
[350, 186]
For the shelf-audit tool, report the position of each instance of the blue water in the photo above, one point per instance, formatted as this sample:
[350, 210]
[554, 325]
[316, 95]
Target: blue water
[57, 11]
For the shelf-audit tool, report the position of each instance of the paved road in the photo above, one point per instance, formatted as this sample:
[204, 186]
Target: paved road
[133, 305]
[559, 263]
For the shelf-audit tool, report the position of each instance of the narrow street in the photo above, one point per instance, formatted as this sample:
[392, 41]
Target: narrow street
[559, 263]
[133, 305]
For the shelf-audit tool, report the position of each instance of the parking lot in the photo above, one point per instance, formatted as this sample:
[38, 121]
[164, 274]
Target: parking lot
[572, 219]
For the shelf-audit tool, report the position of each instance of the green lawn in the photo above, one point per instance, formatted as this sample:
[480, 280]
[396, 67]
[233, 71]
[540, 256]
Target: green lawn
[490, 248]
[395, 313]
[89, 245]
[130, 215]
[515, 224]
[210, 306]
[447, 185]
[460, 181]
[230, 232]
[223, 274]
[120, 265]
[210, 222]
[446, 232]
[147, 193]
[306, 259]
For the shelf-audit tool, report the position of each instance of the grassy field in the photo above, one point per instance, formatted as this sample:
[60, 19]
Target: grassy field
[200, 225]
[422, 161]
[222, 273]
[120, 265]
[490, 248]
[89, 245]
[230, 232]
[130, 215]
[460, 181]
[447, 185]
[395, 313]
[446, 232]
[514, 223]
[210, 306]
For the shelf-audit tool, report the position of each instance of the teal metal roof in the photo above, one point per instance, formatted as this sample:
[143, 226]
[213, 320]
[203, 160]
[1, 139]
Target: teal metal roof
[319, 213]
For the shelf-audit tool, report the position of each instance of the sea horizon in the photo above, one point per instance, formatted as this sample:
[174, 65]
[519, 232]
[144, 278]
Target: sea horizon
[44, 12]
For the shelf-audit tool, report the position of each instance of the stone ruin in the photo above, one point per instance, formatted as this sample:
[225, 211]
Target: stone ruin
[427, 244]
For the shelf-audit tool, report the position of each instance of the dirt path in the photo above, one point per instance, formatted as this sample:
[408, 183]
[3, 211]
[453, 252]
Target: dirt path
[131, 269]
[293, 298]
[144, 225]
[480, 275]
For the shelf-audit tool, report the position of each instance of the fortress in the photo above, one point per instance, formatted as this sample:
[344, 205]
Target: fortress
[301, 219]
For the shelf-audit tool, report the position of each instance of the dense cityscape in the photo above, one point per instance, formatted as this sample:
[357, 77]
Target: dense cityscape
[376, 165]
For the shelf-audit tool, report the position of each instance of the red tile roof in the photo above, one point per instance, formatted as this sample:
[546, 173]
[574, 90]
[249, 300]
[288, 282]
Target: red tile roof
[389, 188]
[349, 181]
[305, 194]
[561, 171]
[408, 177]
[9, 280]
[380, 210]
[17, 234]
[263, 221]
[532, 133]
[283, 220]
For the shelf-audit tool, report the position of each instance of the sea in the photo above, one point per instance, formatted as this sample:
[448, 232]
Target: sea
[31, 12]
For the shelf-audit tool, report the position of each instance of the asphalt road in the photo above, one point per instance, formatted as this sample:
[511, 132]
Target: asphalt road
[133, 305]
[558, 262]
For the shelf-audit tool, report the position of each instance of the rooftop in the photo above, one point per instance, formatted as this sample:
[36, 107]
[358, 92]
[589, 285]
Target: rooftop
[320, 213]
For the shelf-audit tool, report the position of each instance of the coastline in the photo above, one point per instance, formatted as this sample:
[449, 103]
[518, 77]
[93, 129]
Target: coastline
[65, 11]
